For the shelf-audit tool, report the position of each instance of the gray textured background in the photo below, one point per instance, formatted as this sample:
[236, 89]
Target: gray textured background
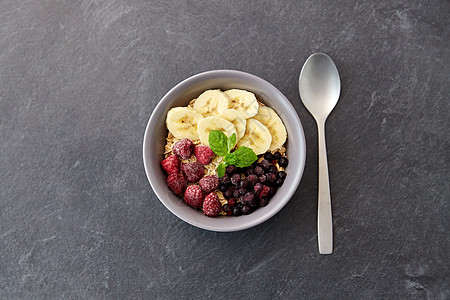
[79, 80]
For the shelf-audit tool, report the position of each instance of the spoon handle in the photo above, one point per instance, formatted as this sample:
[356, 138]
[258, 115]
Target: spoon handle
[324, 218]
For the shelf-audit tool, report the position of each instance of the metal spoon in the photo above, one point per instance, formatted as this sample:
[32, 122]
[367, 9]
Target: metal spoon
[319, 87]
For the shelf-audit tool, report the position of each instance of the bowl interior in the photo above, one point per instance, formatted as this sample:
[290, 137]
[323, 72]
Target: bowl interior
[180, 95]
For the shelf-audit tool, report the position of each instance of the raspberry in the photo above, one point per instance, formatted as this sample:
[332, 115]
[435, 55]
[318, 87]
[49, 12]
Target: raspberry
[176, 183]
[171, 164]
[211, 205]
[193, 171]
[203, 154]
[262, 178]
[183, 148]
[258, 188]
[264, 192]
[209, 183]
[193, 196]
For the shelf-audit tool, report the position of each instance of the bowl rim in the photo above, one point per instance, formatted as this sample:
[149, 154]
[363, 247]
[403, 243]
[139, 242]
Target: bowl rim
[219, 73]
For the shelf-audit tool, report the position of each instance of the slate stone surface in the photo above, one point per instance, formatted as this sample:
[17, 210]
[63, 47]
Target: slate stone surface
[79, 80]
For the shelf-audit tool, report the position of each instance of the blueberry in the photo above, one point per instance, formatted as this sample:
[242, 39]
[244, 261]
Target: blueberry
[243, 184]
[272, 191]
[277, 155]
[239, 204]
[226, 208]
[283, 162]
[252, 179]
[282, 175]
[237, 211]
[228, 194]
[223, 188]
[240, 170]
[268, 156]
[265, 164]
[235, 179]
[262, 178]
[246, 209]
[263, 202]
[248, 197]
[230, 169]
[258, 171]
[224, 180]
[249, 171]
[273, 169]
[242, 191]
[271, 178]
[279, 182]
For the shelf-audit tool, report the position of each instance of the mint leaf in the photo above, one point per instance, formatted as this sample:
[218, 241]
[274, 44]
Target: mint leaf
[218, 142]
[221, 145]
[245, 157]
[221, 170]
[231, 142]
[230, 158]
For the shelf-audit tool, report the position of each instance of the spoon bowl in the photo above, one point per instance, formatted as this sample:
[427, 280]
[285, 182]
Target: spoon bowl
[319, 85]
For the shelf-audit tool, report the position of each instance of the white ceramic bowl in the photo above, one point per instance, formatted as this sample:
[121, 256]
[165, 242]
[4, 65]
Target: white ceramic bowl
[180, 95]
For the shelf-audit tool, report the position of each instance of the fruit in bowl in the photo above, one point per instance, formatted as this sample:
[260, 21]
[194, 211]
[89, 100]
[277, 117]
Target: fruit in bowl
[220, 140]
[219, 135]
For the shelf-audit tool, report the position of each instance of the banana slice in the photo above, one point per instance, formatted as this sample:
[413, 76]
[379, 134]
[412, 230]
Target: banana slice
[257, 137]
[182, 122]
[269, 118]
[212, 103]
[205, 125]
[243, 101]
[237, 119]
